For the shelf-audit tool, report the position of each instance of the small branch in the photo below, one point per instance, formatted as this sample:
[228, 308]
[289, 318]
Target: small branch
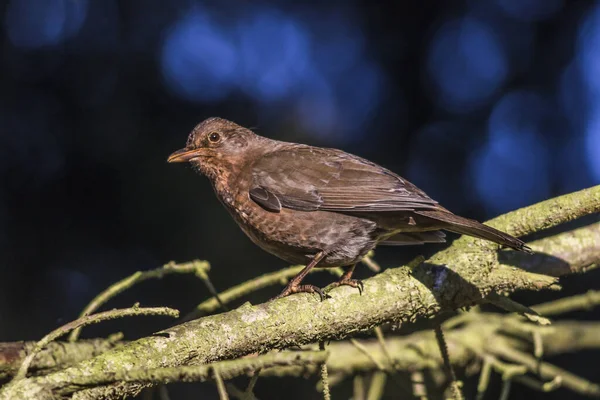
[549, 213]
[220, 385]
[197, 267]
[540, 386]
[506, 385]
[54, 355]
[509, 305]
[419, 389]
[441, 341]
[238, 394]
[273, 278]
[581, 247]
[89, 320]
[377, 385]
[360, 347]
[379, 335]
[324, 375]
[585, 301]
[370, 262]
[211, 289]
[358, 387]
[226, 369]
[484, 378]
[546, 370]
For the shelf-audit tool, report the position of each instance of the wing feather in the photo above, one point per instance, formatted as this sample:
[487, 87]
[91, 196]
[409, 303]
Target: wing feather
[309, 178]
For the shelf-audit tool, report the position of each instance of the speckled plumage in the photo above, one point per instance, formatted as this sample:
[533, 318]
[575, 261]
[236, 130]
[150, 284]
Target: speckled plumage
[304, 203]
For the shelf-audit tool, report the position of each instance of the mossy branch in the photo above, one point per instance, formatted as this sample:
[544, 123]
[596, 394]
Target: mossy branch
[227, 369]
[462, 275]
[479, 338]
[470, 339]
[90, 320]
[549, 213]
[54, 356]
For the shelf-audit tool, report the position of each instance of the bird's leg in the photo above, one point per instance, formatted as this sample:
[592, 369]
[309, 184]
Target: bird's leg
[346, 280]
[294, 285]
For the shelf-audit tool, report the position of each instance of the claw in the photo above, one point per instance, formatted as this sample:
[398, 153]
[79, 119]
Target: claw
[301, 289]
[355, 283]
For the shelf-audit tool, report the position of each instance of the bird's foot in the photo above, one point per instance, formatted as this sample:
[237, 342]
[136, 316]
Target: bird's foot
[301, 289]
[355, 283]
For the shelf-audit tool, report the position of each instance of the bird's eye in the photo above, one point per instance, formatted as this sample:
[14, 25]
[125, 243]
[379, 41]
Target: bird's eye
[214, 137]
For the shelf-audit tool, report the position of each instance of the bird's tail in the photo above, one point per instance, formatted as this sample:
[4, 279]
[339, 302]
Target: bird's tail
[464, 226]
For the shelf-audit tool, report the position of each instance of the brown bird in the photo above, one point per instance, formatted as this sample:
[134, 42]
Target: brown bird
[318, 206]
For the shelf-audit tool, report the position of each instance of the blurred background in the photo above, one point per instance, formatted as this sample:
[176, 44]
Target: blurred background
[486, 105]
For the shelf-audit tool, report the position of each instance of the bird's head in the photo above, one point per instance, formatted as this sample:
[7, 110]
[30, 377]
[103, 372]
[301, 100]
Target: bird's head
[216, 145]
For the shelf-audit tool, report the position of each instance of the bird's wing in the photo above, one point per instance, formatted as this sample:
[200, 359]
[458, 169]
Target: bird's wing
[309, 179]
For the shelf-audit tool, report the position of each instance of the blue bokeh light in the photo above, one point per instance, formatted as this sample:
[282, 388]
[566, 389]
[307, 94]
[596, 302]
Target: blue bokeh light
[588, 59]
[358, 94]
[315, 106]
[337, 42]
[592, 141]
[466, 63]
[512, 168]
[275, 53]
[571, 96]
[342, 85]
[530, 10]
[199, 59]
[588, 55]
[312, 70]
[33, 24]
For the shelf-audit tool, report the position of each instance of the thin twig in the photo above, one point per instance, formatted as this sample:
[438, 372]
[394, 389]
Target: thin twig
[546, 370]
[358, 387]
[367, 353]
[252, 383]
[220, 385]
[253, 285]
[540, 386]
[239, 394]
[419, 389]
[392, 365]
[585, 301]
[324, 375]
[197, 267]
[377, 386]
[370, 262]
[439, 335]
[203, 274]
[89, 320]
[505, 389]
[163, 393]
[484, 377]
[384, 348]
[512, 306]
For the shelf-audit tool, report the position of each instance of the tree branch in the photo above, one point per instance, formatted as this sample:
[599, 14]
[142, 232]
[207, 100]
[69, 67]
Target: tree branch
[459, 276]
[54, 355]
[549, 213]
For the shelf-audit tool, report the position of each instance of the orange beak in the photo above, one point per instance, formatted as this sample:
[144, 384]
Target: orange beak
[185, 155]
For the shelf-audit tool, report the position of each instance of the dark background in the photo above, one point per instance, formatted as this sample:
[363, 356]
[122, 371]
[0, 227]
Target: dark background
[486, 105]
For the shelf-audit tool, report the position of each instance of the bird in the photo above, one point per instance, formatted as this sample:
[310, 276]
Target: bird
[319, 207]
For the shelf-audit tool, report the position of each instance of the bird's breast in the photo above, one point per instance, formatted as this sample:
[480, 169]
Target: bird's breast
[296, 236]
